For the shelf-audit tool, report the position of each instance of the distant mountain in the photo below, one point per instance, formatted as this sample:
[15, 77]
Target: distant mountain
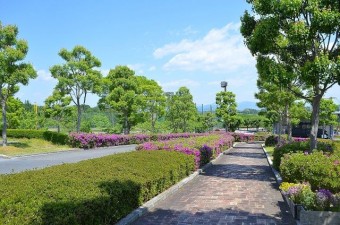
[246, 105]
[240, 106]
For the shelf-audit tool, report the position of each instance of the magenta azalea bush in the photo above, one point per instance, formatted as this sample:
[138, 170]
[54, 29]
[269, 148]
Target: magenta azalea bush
[242, 137]
[204, 148]
[90, 140]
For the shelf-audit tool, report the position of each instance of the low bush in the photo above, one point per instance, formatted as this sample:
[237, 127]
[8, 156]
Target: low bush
[98, 191]
[318, 169]
[204, 148]
[299, 146]
[271, 140]
[261, 136]
[54, 137]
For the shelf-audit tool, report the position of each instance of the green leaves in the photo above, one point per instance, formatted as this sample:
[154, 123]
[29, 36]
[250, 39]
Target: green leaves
[122, 95]
[227, 109]
[12, 70]
[182, 111]
[78, 76]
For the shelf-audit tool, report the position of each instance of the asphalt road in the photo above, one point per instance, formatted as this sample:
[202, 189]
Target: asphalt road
[22, 163]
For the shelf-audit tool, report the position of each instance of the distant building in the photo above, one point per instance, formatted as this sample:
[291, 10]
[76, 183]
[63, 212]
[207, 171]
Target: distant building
[303, 129]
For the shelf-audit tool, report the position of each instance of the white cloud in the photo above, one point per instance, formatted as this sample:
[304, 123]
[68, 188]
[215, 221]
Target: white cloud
[175, 84]
[220, 50]
[45, 76]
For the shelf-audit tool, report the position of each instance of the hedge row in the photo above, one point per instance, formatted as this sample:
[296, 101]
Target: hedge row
[54, 137]
[320, 170]
[98, 191]
[204, 148]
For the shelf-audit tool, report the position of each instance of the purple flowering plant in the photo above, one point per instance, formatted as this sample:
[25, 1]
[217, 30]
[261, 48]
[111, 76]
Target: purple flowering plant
[204, 148]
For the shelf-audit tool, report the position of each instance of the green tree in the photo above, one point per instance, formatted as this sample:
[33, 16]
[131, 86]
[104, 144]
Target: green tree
[122, 94]
[226, 108]
[274, 96]
[77, 77]
[15, 110]
[247, 123]
[299, 112]
[152, 100]
[256, 123]
[327, 116]
[236, 122]
[13, 71]
[57, 107]
[182, 112]
[209, 121]
[302, 39]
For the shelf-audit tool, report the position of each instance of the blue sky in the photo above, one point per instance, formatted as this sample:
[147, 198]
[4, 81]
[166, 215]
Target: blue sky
[192, 43]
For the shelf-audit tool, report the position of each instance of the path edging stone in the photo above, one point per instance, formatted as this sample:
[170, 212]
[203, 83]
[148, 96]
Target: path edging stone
[277, 175]
[135, 214]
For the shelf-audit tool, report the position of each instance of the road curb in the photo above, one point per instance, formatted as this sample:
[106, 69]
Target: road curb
[4, 156]
[134, 215]
[277, 175]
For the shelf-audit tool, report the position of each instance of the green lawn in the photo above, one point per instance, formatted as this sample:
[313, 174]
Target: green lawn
[30, 146]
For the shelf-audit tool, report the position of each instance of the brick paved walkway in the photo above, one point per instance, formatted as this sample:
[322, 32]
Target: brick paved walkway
[239, 189]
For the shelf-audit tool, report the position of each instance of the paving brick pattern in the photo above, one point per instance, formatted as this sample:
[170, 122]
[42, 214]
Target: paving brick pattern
[239, 189]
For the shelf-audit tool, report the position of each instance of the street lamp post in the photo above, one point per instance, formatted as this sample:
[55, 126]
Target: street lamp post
[224, 85]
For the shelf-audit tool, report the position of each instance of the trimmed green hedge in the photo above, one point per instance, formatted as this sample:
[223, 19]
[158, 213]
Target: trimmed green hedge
[97, 191]
[296, 147]
[54, 137]
[321, 171]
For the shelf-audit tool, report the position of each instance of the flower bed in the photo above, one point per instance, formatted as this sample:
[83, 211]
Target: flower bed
[242, 137]
[203, 148]
[312, 208]
[90, 140]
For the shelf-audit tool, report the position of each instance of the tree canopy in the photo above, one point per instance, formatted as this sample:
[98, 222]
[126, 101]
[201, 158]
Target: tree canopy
[226, 109]
[13, 71]
[300, 41]
[77, 76]
[122, 95]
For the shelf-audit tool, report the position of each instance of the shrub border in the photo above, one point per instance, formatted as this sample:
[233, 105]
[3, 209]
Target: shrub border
[149, 205]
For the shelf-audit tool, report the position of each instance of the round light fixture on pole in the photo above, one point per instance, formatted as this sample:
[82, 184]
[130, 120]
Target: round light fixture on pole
[224, 85]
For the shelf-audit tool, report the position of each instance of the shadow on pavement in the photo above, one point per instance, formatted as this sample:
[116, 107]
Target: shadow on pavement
[221, 216]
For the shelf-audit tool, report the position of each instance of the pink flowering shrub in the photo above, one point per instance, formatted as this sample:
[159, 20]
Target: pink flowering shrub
[242, 137]
[90, 140]
[204, 148]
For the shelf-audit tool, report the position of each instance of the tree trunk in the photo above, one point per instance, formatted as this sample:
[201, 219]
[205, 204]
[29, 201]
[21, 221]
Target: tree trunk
[126, 124]
[79, 116]
[4, 122]
[288, 123]
[153, 123]
[279, 129]
[315, 122]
